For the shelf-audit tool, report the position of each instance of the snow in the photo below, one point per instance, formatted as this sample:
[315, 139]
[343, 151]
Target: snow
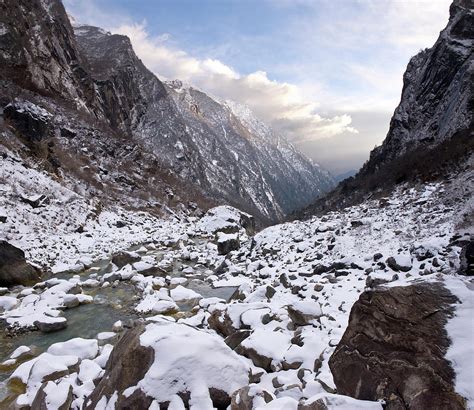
[180, 365]
[82, 348]
[461, 333]
[275, 271]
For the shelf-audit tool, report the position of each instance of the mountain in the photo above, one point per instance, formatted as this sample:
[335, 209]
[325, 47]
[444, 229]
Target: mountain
[432, 129]
[117, 292]
[243, 158]
[166, 144]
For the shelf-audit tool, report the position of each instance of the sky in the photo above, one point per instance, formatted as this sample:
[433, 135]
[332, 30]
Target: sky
[327, 74]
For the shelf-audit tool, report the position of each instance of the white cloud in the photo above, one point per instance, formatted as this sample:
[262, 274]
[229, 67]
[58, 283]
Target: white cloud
[281, 105]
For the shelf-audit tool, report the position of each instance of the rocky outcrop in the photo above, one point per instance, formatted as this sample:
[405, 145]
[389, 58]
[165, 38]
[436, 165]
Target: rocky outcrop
[14, 269]
[127, 365]
[438, 91]
[394, 346]
[467, 259]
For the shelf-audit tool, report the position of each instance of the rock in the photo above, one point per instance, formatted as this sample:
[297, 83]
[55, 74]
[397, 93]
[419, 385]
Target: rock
[14, 270]
[35, 201]
[71, 301]
[160, 360]
[227, 243]
[124, 258]
[51, 324]
[243, 399]
[236, 338]
[467, 259]
[355, 224]
[62, 397]
[394, 347]
[221, 323]
[304, 312]
[377, 256]
[270, 292]
[127, 365]
[28, 119]
[399, 263]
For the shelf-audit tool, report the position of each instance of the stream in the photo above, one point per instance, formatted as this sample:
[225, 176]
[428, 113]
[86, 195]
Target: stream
[110, 304]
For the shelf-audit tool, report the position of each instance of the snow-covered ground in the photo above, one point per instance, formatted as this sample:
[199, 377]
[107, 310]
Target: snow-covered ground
[295, 286]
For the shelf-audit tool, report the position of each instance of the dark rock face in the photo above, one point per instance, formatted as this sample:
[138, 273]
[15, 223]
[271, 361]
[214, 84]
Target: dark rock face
[14, 270]
[29, 120]
[467, 259]
[124, 258]
[227, 244]
[394, 347]
[127, 365]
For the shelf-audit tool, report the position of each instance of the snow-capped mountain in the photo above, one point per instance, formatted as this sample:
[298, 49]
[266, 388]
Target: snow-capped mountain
[185, 141]
[244, 158]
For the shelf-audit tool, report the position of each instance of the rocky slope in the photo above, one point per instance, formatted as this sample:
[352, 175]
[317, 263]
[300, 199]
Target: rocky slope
[432, 129]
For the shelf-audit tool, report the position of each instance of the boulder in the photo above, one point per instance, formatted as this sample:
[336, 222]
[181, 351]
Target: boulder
[127, 365]
[165, 359]
[53, 324]
[124, 258]
[14, 270]
[29, 120]
[227, 243]
[303, 313]
[62, 397]
[399, 263]
[467, 259]
[394, 346]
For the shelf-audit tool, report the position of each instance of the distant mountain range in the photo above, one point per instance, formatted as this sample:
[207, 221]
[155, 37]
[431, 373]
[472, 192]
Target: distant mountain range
[124, 134]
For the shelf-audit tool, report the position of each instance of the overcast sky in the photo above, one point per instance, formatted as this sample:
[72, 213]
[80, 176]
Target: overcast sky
[325, 73]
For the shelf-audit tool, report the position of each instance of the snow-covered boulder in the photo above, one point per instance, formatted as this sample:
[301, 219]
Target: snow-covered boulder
[226, 219]
[14, 270]
[400, 263]
[163, 362]
[227, 242]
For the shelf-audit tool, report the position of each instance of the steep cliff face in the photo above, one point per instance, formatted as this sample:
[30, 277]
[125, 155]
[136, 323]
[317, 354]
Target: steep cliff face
[432, 130]
[438, 92]
[38, 51]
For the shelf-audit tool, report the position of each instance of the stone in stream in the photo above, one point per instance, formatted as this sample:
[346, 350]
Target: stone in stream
[394, 346]
[125, 258]
[14, 270]
[52, 324]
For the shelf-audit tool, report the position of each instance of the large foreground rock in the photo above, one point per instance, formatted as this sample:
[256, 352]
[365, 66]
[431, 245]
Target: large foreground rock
[14, 270]
[166, 362]
[394, 348]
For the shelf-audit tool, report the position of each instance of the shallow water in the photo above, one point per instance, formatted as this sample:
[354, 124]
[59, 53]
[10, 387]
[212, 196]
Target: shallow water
[110, 304]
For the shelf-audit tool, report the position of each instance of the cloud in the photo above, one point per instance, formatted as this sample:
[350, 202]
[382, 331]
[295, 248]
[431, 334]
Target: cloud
[280, 104]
